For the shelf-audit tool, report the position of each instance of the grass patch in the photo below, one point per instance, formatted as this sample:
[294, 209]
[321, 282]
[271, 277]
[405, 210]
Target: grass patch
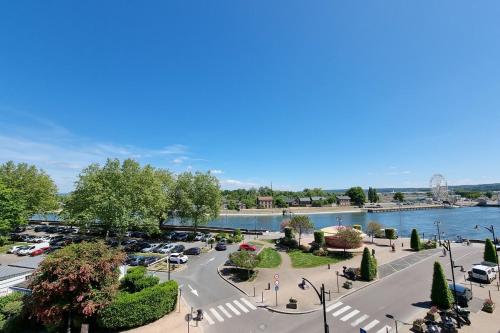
[305, 259]
[269, 258]
[271, 241]
[255, 243]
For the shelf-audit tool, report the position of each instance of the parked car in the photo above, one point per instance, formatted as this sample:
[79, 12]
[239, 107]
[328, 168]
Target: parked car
[20, 229]
[39, 251]
[193, 251]
[169, 235]
[167, 248]
[464, 294]
[129, 241]
[247, 247]
[149, 260]
[52, 230]
[150, 248]
[199, 236]
[482, 273]
[138, 234]
[52, 249]
[32, 248]
[41, 228]
[136, 261]
[178, 258]
[221, 247]
[181, 236]
[178, 248]
[16, 248]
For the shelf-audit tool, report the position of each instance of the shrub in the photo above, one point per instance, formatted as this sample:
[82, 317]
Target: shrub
[289, 242]
[321, 253]
[191, 237]
[221, 235]
[430, 244]
[230, 240]
[415, 241]
[137, 309]
[368, 269]
[440, 294]
[357, 227]
[490, 254]
[288, 232]
[237, 232]
[11, 310]
[3, 240]
[319, 238]
[136, 280]
[390, 234]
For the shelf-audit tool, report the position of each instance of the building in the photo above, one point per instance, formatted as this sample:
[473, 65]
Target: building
[264, 202]
[292, 202]
[343, 200]
[18, 272]
[305, 202]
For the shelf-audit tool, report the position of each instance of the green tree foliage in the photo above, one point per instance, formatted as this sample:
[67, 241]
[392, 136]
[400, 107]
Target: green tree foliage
[368, 266]
[349, 238]
[301, 224]
[373, 229]
[372, 195]
[136, 309]
[357, 195]
[79, 278]
[415, 243]
[490, 253]
[441, 295]
[399, 196]
[136, 280]
[319, 238]
[390, 234]
[121, 196]
[197, 198]
[11, 308]
[245, 260]
[489, 194]
[12, 212]
[280, 202]
[29, 188]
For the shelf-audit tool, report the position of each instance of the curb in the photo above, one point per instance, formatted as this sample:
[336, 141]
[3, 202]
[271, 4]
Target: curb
[231, 283]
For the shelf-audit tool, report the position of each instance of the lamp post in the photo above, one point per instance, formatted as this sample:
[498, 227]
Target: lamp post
[492, 230]
[322, 299]
[396, 321]
[168, 263]
[437, 223]
[447, 246]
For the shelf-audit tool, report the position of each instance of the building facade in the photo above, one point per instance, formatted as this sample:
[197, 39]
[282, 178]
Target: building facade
[264, 202]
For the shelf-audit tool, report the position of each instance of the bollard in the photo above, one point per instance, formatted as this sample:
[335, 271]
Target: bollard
[262, 297]
[498, 286]
[269, 286]
[328, 266]
[253, 291]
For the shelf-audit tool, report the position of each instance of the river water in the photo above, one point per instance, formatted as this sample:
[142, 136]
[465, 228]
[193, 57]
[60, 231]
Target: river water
[454, 222]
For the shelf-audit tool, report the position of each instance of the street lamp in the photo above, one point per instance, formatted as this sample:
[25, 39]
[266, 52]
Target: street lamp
[322, 299]
[396, 321]
[492, 230]
[447, 246]
[437, 223]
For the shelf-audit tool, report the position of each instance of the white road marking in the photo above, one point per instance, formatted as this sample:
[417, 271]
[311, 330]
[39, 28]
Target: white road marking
[349, 315]
[224, 311]
[240, 306]
[338, 312]
[385, 329]
[193, 290]
[207, 317]
[211, 259]
[232, 308]
[359, 320]
[216, 314]
[333, 306]
[250, 305]
[371, 325]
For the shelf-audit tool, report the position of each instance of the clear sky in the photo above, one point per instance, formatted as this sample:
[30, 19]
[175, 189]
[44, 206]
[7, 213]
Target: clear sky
[324, 94]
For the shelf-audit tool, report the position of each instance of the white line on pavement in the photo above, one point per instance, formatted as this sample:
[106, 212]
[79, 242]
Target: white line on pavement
[371, 325]
[384, 329]
[224, 311]
[349, 315]
[250, 305]
[216, 314]
[240, 306]
[331, 307]
[207, 317]
[338, 312]
[232, 308]
[359, 320]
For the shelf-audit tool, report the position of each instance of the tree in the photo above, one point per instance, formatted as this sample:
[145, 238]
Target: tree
[319, 238]
[372, 195]
[11, 210]
[441, 295]
[368, 266]
[390, 234]
[301, 224]
[415, 241]
[244, 260]
[357, 195]
[280, 202]
[30, 187]
[78, 280]
[399, 196]
[120, 196]
[489, 194]
[349, 238]
[197, 198]
[490, 253]
[373, 229]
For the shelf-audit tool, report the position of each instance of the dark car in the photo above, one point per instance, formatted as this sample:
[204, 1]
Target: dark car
[112, 242]
[20, 229]
[169, 235]
[53, 248]
[221, 247]
[193, 251]
[129, 241]
[138, 234]
[136, 261]
[149, 260]
[464, 294]
[178, 248]
[56, 239]
[41, 228]
[181, 236]
[52, 230]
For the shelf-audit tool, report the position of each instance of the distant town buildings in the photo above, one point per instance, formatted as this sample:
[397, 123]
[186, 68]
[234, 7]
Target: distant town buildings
[265, 202]
[343, 200]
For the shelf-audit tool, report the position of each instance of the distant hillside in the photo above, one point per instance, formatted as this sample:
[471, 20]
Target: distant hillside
[472, 188]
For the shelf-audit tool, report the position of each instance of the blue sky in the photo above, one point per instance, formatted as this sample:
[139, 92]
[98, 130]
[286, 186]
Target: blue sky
[299, 93]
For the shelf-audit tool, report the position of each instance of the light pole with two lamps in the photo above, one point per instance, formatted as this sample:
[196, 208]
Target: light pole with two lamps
[495, 241]
[322, 299]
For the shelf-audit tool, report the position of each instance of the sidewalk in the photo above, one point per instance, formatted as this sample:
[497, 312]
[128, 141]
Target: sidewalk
[308, 301]
[174, 322]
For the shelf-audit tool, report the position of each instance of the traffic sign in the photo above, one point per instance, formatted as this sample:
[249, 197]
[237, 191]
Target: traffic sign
[276, 276]
[276, 288]
[276, 283]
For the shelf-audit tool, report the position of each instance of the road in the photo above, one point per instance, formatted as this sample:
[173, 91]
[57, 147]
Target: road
[401, 294]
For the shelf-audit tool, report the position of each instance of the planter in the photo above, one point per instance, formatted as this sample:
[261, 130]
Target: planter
[419, 325]
[291, 306]
[432, 314]
[488, 307]
[347, 285]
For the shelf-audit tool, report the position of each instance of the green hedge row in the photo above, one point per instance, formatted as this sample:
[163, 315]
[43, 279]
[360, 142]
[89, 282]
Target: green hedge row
[136, 280]
[137, 309]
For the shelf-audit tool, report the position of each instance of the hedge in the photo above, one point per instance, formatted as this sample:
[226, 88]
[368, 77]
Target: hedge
[319, 238]
[137, 309]
[136, 279]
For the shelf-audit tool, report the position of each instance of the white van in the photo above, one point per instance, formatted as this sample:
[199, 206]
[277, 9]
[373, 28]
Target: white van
[30, 248]
[482, 273]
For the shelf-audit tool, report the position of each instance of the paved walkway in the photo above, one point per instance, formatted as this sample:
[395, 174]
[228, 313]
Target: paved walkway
[405, 262]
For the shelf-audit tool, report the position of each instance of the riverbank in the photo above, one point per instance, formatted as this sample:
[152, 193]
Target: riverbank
[293, 210]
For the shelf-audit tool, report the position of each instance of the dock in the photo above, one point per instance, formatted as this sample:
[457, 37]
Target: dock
[402, 208]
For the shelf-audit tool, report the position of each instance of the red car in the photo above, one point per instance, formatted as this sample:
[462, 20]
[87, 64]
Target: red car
[247, 247]
[39, 251]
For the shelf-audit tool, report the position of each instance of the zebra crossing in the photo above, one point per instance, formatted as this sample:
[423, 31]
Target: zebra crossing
[228, 310]
[346, 313]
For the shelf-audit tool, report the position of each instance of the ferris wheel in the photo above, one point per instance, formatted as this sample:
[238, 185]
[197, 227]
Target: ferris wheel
[439, 187]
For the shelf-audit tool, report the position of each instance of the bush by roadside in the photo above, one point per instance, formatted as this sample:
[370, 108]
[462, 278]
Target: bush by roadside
[136, 280]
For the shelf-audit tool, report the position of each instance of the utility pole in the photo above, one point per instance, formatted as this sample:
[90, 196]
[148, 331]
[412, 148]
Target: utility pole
[322, 299]
[447, 246]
